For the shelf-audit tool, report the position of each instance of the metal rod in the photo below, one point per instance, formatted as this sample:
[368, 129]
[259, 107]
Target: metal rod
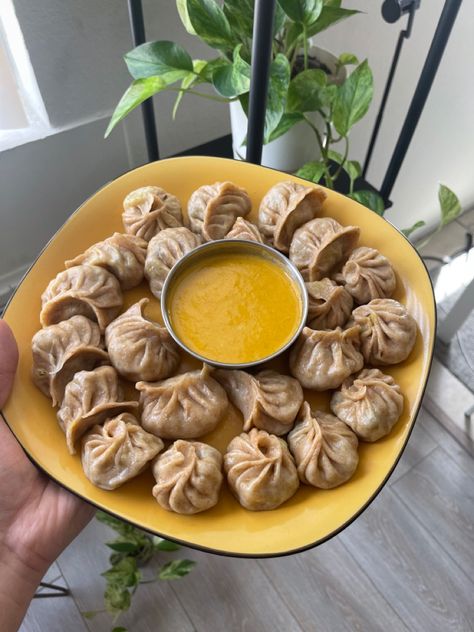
[137, 25]
[259, 77]
[56, 591]
[440, 39]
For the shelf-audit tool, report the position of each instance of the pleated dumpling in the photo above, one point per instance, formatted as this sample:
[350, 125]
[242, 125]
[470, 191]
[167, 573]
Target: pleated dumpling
[213, 209]
[387, 331]
[122, 255]
[323, 359]
[268, 400]
[329, 305]
[260, 470]
[325, 449]
[186, 406]
[82, 290]
[148, 210]
[89, 399]
[139, 348]
[59, 351]
[164, 250]
[286, 207]
[117, 451]
[245, 230]
[370, 403]
[367, 274]
[188, 477]
[320, 246]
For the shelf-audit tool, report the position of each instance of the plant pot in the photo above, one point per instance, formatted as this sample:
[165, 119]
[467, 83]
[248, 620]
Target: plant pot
[298, 145]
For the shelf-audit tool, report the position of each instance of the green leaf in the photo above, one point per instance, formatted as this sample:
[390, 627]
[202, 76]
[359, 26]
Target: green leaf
[449, 204]
[182, 7]
[408, 231]
[176, 569]
[239, 13]
[119, 628]
[305, 93]
[116, 599]
[277, 93]
[114, 523]
[335, 156]
[90, 614]
[122, 547]
[164, 59]
[329, 16]
[233, 79]
[312, 171]
[124, 573]
[161, 544]
[353, 169]
[286, 123]
[370, 199]
[210, 23]
[302, 11]
[353, 98]
[347, 59]
[187, 83]
[332, 3]
[140, 90]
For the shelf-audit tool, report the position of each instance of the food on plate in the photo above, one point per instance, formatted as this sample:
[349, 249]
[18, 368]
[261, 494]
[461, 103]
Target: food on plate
[150, 209]
[320, 246]
[186, 406]
[260, 470]
[325, 449]
[139, 348]
[122, 255]
[188, 477]
[89, 399]
[284, 208]
[117, 451]
[329, 305]
[243, 229]
[387, 331]
[269, 401]
[82, 290]
[370, 403]
[164, 250]
[213, 209]
[367, 274]
[59, 351]
[323, 359]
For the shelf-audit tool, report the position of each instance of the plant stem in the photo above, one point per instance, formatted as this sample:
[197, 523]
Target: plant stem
[341, 166]
[323, 150]
[305, 46]
[204, 96]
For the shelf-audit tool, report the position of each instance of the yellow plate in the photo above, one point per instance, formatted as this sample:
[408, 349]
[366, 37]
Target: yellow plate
[311, 516]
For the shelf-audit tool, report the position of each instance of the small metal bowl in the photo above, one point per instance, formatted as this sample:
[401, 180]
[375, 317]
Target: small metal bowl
[233, 246]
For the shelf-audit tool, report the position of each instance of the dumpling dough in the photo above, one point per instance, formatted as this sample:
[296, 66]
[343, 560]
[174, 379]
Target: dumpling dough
[213, 209]
[141, 349]
[320, 246]
[59, 351]
[148, 210]
[260, 470]
[367, 274]
[164, 250]
[243, 229]
[284, 208]
[186, 406]
[89, 399]
[122, 255]
[268, 400]
[188, 477]
[370, 403]
[321, 360]
[325, 449]
[387, 331]
[119, 450]
[329, 305]
[83, 290]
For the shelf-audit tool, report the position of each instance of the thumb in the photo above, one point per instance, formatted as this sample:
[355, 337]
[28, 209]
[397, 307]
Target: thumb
[8, 361]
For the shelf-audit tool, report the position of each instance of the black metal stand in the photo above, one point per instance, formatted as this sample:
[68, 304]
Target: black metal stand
[54, 591]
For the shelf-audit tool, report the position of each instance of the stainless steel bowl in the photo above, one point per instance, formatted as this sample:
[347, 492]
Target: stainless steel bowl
[233, 246]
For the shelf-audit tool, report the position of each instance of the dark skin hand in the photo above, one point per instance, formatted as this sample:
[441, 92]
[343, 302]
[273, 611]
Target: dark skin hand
[38, 519]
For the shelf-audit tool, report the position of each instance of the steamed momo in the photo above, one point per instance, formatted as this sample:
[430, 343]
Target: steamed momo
[260, 470]
[141, 349]
[370, 403]
[123, 255]
[284, 208]
[325, 449]
[188, 477]
[117, 451]
[322, 360]
[148, 210]
[367, 274]
[83, 290]
[387, 331]
[329, 305]
[213, 209]
[243, 229]
[186, 406]
[89, 399]
[320, 246]
[268, 400]
[164, 250]
[59, 351]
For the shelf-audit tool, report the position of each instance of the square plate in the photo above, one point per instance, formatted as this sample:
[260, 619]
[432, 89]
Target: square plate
[311, 516]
